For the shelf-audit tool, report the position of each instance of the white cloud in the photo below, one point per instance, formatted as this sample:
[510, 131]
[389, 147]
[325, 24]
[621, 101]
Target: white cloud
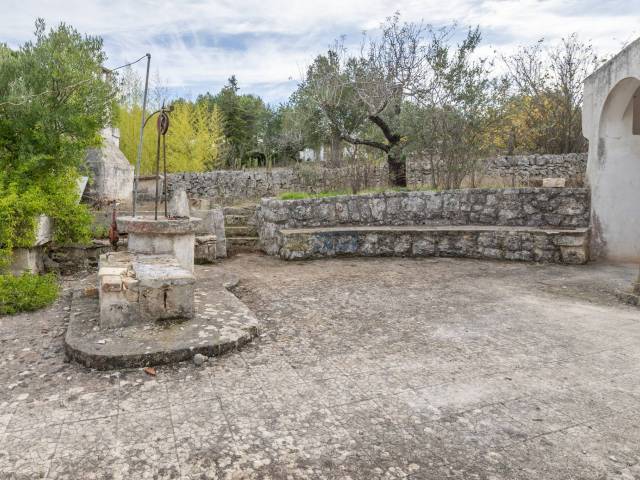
[197, 44]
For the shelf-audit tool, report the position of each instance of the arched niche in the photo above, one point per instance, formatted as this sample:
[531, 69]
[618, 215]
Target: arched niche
[616, 181]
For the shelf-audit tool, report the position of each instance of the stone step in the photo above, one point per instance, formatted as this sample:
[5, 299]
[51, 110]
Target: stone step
[236, 220]
[246, 210]
[242, 244]
[240, 231]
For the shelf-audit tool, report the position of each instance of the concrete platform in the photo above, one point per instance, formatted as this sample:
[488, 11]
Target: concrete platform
[365, 368]
[221, 323]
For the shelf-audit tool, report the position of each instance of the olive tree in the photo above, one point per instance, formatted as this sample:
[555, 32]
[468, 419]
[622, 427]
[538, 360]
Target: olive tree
[409, 90]
[448, 121]
[355, 92]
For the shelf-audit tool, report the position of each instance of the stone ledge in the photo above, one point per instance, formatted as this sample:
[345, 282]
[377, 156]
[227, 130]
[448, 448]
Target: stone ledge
[222, 323]
[552, 245]
[167, 226]
[438, 228]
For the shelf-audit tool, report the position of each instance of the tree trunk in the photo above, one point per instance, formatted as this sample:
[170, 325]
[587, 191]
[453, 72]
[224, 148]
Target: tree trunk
[336, 149]
[397, 169]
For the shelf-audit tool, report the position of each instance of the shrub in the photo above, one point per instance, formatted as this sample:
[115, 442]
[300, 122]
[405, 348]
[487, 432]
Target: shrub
[26, 292]
[53, 103]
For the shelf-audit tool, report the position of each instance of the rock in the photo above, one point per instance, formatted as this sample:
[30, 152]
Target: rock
[91, 292]
[179, 204]
[554, 182]
[199, 359]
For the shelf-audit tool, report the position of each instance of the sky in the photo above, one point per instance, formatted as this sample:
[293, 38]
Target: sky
[196, 45]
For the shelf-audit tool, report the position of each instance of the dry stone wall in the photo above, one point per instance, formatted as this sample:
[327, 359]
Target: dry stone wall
[531, 207]
[519, 168]
[570, 165]
[230, 186]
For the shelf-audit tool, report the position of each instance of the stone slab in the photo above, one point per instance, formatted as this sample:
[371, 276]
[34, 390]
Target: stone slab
[205, 249]
[438, 228]
[628, 297]
[221, 323]
[163, 236]
[554, 182]
[168, 226]
[29, 260]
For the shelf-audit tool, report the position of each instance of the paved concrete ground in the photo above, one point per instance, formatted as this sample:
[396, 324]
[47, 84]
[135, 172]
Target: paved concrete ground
[366, 368]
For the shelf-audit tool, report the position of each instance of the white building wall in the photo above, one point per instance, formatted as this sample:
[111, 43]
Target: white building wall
[613, 168]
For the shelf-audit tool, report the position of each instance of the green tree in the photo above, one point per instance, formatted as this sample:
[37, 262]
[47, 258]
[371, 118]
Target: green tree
[245, 120]
[358, 92]
[194, 140]
[54, 99]
[448, 121]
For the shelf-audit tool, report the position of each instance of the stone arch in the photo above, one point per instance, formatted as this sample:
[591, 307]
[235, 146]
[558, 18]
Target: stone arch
[617, 190]
[617, 112]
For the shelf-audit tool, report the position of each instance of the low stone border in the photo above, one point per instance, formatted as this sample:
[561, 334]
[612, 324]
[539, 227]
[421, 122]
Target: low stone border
[222, 323]
[503, 243]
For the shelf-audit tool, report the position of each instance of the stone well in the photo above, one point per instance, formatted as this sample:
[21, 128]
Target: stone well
[152, 281]
[146, 311]
[174, 237]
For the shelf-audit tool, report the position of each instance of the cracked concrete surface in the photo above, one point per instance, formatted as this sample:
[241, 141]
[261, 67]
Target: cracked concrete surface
[366, 368]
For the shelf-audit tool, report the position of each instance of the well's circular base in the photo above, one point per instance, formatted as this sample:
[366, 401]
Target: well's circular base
[222, 323]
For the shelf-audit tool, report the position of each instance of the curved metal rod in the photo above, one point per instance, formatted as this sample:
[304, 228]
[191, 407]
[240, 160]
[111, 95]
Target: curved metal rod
[149, 117]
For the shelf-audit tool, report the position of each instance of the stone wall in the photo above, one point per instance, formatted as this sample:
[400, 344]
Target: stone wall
[230, 186]
[518, 169]
[70, 259]
[471, 241]
[533, 207]
[570, 165]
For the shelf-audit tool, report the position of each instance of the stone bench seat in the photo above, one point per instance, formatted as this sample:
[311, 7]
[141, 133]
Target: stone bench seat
[539, 244]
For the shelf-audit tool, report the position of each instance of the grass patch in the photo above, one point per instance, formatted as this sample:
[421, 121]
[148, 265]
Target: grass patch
[26, 292]
[335, 193]
[294, 195]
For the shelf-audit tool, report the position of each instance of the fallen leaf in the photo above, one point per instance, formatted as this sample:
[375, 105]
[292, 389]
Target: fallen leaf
[150, 371]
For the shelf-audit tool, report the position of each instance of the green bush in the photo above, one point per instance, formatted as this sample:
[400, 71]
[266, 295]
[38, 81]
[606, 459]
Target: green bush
[53, 102]
[26, 292]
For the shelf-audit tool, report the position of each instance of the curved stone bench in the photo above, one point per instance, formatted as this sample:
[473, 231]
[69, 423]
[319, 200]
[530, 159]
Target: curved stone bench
[540, 244]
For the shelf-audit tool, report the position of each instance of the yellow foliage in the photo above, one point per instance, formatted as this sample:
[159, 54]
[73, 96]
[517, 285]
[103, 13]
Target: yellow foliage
[193, 140]
[524, 124]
